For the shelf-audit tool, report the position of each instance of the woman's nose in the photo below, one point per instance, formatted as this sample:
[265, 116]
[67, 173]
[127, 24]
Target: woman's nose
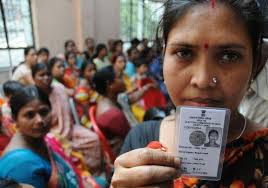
[38, 119]
[203, 75]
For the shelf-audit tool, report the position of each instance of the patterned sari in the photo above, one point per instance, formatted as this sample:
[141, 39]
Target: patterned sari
[66, 173]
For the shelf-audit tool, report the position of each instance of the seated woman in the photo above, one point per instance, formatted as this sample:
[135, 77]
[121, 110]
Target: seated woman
[56, 67]
[110, 118]
[211, 54]
[100, 57]
[119, 63]
[85, 94]
[154, 97]
[71, 73]
[74, 137]
[22, 72]
[28, 150]
[8, 124]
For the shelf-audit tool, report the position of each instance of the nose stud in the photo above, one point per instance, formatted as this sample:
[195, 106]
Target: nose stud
[214, 82]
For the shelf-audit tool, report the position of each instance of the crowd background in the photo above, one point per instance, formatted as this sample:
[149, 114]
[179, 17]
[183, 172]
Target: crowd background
[94, 97]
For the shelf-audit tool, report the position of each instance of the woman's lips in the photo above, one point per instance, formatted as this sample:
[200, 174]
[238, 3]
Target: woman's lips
[203, 102]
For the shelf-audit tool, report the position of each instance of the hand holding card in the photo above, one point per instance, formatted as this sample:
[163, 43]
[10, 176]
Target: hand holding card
[200, 140]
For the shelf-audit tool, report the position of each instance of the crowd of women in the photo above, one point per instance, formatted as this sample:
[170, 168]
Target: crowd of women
[65, 120]
[45, 113]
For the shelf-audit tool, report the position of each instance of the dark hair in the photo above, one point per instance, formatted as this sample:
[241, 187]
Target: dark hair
[28, 49]
[52, 62]
[139, 62]
[84, 66]
[103, 78]
[38, 67]
[155, 113]
[98, 49]
[247, 10]
[43, 50]
[115, 44]
[213, 131]
[130, 50]
[68, 54]
[135, 41]
[10, 87]
[114, 57]
[9, 184]
[67, 43]
[24, 96]
[145, 55]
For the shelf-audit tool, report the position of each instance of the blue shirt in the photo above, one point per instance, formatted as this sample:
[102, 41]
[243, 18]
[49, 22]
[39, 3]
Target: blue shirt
[25, 166]
[130, 69]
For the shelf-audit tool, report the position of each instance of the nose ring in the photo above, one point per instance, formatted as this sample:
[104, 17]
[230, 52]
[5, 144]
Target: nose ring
[213, 83]
[214, 80]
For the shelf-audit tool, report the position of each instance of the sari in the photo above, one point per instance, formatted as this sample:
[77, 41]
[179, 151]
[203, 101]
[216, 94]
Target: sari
[8, 124]
[70, 77]
[73, 137]
[66, 173]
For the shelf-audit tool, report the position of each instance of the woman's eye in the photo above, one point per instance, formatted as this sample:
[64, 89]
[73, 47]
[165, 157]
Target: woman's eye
[185, 54]
[230, 57]
[30, 115]
[43, 112]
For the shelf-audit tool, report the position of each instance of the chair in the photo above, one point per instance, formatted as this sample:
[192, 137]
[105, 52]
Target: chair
[108, 153]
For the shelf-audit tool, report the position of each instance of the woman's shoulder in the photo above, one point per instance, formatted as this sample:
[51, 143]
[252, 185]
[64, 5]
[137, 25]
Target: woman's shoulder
[24, 156]
[30, 162]
[21, 71]
[23, 165]
[141, 135]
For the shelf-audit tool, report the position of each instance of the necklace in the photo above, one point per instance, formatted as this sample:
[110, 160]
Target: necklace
[244, 128]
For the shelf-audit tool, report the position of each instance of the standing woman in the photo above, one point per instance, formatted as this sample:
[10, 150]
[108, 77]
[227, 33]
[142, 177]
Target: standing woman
[211, 54]
[23, 73]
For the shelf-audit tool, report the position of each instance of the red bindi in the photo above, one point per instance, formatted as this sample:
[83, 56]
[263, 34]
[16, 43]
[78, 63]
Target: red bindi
[206, 46]
[213, 3]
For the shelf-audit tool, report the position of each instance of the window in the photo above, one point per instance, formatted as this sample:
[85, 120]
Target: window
[16, 31]
[139, 18]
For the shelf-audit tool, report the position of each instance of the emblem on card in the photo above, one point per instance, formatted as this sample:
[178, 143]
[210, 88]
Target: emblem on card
[197, 138]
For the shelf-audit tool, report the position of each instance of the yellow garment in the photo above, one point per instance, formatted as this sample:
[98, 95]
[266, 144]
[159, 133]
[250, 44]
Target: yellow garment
[137, 110]
[127, 82]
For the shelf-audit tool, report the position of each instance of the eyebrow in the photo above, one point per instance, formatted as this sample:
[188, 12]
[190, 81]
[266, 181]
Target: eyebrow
[182, 44]
[231, 45]
[221, 46]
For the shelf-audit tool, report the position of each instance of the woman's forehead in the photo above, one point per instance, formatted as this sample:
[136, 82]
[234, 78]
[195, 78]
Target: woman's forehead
[205, 24]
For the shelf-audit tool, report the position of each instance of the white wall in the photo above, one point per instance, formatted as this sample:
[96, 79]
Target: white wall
[107, 19]
[55, 21]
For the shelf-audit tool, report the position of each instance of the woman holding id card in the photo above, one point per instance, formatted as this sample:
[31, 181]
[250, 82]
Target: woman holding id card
[212, 52]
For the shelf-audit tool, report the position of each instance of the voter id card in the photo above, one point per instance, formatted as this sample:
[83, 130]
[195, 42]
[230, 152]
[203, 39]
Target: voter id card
[201, 135]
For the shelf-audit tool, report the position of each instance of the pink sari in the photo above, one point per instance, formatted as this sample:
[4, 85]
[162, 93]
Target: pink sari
[73, 137]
